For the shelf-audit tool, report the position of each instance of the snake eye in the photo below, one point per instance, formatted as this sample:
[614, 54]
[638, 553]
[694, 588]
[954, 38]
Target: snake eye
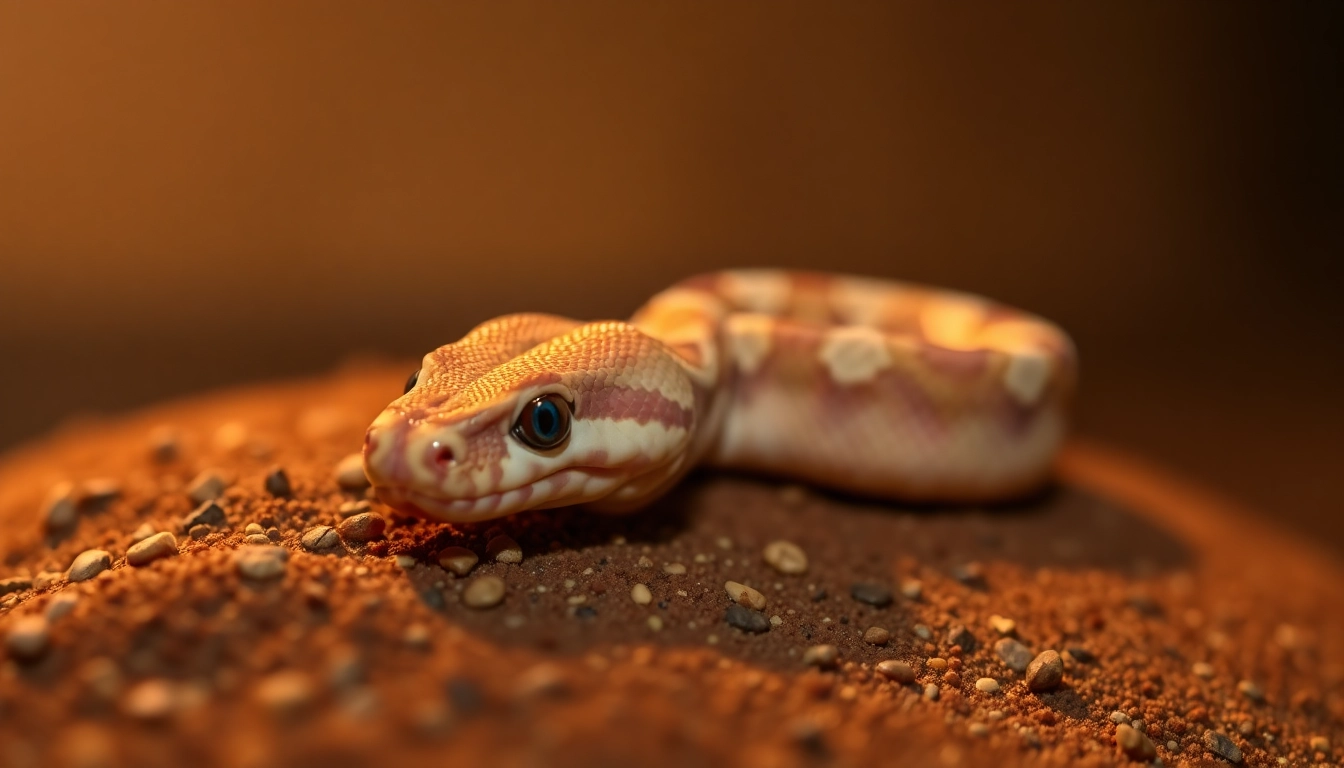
[410, 382]
[544, 422]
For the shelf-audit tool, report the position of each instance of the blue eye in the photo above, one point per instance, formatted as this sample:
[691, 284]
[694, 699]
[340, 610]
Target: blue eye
[544, 422]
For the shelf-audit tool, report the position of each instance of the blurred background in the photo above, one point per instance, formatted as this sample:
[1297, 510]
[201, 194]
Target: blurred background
[194, 195]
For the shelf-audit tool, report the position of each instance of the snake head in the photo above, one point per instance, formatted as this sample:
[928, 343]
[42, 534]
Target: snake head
[532, 412]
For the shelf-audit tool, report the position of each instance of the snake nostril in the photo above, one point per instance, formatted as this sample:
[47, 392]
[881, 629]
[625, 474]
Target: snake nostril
[442, 453]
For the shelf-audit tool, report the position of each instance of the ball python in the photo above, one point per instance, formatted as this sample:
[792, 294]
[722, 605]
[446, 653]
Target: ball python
[877, 388]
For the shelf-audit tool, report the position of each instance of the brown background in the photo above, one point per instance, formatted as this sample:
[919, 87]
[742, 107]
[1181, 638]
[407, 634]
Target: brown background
[194, 195]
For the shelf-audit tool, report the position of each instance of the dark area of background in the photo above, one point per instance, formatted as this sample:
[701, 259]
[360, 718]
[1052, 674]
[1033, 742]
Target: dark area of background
[196, 195]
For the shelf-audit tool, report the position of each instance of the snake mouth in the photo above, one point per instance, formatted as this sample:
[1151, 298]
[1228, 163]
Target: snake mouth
[574, 485]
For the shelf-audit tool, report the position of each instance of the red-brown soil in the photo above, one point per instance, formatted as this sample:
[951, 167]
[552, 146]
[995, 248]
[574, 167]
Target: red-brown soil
[1161, 600]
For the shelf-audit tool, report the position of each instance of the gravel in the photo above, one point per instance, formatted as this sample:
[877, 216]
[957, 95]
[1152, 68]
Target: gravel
[261, 562]
[458, 560]
[987, 685]
[277, 483]
[960, 635]
[641, 595]
[88, 564]
[206, 486]
[1222, 746]
[503, 549]
[362, 528]
[896, 670]
[877, 595]
[59, 511]
[1045, 672]
[160, 545]
[484, 592]
[350, 473]
[208, 513]
[27, 638]
[823, 656]
[745, 595]
[1134, 743]
[876, 636]
[1015, 655]
[746, 619]
[321, 538]
[786, 557]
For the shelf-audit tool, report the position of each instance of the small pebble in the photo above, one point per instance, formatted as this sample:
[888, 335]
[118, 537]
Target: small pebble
[503, 549]
[458, 560]
[641, 594]
[930, 692]
[746, 619]
[1045, 672]
[208, 513]
[936, 664]
[363, 527]
[277, 483]
[744, 595]
[1120, 718]
[46, 579]
[405, 562]
[88, 564]
[1202, 669]
[150, 700]
[320, 538]
[61, 605]
[257, 538]
[253, 529]
[776, 620]
[350, 473]
[785, 557]
[144, 531]
[873, 594]
[987, 685]
[351, 508]
[98, 492]
[959, 635]
[198, 532]
[923, 632]
[674, 569]
[484, 592]
[286, 694]
[1251, 691]
[876, 636]
[1134, 743]
[1015, 655]
[970, 574]
[417, 635]
[266, 562]
[824, 656]
[1222, 746]
[978, 730]
[206, 486]
[1320, 744]
[162, 544]
[655, 623]
[163, 444]
[1004, 626]
[911, 589]
[1081, 655]
[59, 511]
[896, 670]
[27, 638]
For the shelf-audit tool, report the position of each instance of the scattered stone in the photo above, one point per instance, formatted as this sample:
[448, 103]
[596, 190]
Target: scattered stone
[253, 529]
[1251, 691]
[209, 514]
[1320, 744]
[163, 444]
[15, 584]
[88, 564]
[361, 528]
[655, 623]
[484, 592]
[824, 656]
[352, 508]
[785, 557]
[46, 579]
[277, 483]
[1120, 718]
[144, 531]
[264, 562]
[1045, 672]
[641, 594]
[1081, 655]
[875, 595]
[206, 486]
[27, 638]
[320, 538]
[912, 589]
[959, 635]
[286, 694]
[746, 619]
[978, 730]
[674, 569]
[198, 532]
[350, 473]
[405, 562]
[458, 560]
[896, 670]
[1014, 654]
[1202, 669]
[154, 699]
[259, 539]
[1134, 743]
[936, 664]
[97, 493]
[503, 549]
[60, 511]
[930, 692]
[987, 685]
[970, 574]
[162, 544]
[923, 632]
[877, 636]
[61, 605]
[744, 595]
[1222, 746]
[1003, 625]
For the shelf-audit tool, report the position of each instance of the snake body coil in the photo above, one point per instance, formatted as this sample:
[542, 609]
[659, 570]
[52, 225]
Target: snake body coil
[875, 387]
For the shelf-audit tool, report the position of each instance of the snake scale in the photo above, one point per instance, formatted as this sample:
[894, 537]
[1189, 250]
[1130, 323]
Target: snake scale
[873, 387]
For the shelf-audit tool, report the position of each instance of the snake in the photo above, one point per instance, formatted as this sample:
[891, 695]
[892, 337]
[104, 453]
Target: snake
[860, 385]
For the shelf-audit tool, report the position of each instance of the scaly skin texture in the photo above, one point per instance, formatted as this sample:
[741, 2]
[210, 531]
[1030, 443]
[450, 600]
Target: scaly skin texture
[862, 385]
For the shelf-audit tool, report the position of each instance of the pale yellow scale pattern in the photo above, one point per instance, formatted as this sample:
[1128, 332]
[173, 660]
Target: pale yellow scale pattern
[864, 385]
